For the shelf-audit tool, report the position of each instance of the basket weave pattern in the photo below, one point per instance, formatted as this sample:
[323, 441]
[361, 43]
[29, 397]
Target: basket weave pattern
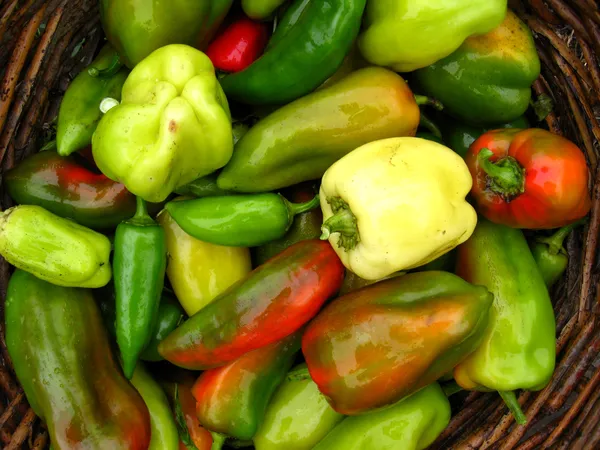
[45, 43]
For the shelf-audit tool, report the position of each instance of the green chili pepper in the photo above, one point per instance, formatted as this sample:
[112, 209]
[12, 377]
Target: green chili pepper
[289, 19]
[260, 9]
[79, 112]
[203, 187]
[238, 220]
[140, 260]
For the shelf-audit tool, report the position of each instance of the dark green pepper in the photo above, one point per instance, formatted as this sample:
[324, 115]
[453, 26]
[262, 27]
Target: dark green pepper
[79, 112]
[308, 53]
[139, 264]
[203, 187]
[238, 220]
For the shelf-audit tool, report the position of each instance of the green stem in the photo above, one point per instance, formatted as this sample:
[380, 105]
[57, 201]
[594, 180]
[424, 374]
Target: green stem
[542, 107]
[506, 176]
[298, 374]
[49, 146]
[555, 242]
[511, 401]
[451, 388]
[141, 208]
[218, 441]
[113, 68]
[343, 221]
[430, 125]
[299, 208]
[427, 101]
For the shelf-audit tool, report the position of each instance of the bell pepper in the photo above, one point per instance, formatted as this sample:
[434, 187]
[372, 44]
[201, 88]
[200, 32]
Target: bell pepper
[172, 126]
[238, 220]
[406, 35]
[529, 178]
[54, 249]
[137, 28]
[260, 9]
[488, 79]
[164, 434]
[66, 188]
[550, 254]
[518, 349]
[272, 302]
[300, 141]
[239, 45]
[139, 264]
[62, 358]
[79, 112]
[232, 399]
[412, 424]
[299, 61]
[199, 271]
[306, 225]
[407, 184]
[373, 347]
[297, 417]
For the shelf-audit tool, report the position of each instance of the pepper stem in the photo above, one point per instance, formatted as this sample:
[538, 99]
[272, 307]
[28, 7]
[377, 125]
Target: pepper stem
[343, 221]
[114, 67]
[301, 374]
[555, 242]
[299, 208]
[218, 440]
[428, 101]
[430, 125]
[141, 217]
[511, 401]
[451, 388]
[506, 176]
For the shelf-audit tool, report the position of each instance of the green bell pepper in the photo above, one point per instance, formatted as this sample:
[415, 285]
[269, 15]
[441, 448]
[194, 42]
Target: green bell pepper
[139, 265]
[172, 126]
[260, 9]
[411, 34]
[297, 418]
[519, 346]
[488, 79]
[412, 424]
[137, 28]
[79, 112]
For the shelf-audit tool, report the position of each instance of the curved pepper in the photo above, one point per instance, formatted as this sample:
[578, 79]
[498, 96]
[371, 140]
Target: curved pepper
[79, 112]
[54, 249]
[185, 412]
[272, 302]
[301, 140]
[203, 187]
[488, 79]
[172, 126]
[518, 349]
[297, 417]
[238, 220]
[529, 178]
[410, 34]
[62, 358]
[232, 399]
[413, 424]
[407, 184]
[309, 53]
[375, 346]
[260, 9]
[67, 189]
[139, 264]
[164, 434]
[199, 271]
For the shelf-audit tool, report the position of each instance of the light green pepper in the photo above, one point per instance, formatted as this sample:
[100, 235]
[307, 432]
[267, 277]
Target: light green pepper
[260, 9]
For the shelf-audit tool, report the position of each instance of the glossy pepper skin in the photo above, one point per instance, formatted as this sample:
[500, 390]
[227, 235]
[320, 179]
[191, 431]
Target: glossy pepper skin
[199, 271]
[272, 302]
[239, 45]
[529, 178]
[203, 187]
[62, 358]
[299, 141]
[64, 187]
[238, 220]
[260, 9]
[232, 399]
[164, 434]
[488, 79]
[137, 28]
[54, 249]
[185, 411]
[412, 424]
[79, 112]
[356, 349]
[306, 225]
[173, 125]
[139, 264]
[406, 35]
[309, 53]
[518, 349]
[297, 417]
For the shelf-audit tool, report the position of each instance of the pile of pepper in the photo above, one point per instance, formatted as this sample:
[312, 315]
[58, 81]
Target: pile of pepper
[289, 225]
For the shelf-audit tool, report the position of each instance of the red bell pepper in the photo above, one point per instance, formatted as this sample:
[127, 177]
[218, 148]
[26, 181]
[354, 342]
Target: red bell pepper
[529, 178]
[240, 44]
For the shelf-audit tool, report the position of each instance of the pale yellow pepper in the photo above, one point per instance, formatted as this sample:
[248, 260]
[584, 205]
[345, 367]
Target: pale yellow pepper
[396, 204]
[199, 271]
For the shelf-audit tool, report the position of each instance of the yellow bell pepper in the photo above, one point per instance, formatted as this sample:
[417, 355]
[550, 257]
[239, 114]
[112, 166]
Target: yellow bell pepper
[199, 271]
[396, 204]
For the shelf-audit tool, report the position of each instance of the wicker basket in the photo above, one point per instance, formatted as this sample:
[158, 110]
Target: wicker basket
[45, 43]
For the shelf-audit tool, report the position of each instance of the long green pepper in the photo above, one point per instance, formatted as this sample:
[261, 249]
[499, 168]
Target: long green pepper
[140, 260]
